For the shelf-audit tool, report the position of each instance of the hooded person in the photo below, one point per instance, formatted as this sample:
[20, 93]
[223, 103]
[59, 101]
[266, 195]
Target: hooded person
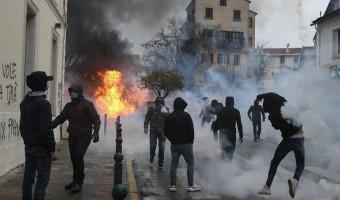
[84, 123]
[226, 121]
[293, 140]
[155, 116]
[179, 129]
[36, 131]
[256, 110]
[207, 112]
[217, 106]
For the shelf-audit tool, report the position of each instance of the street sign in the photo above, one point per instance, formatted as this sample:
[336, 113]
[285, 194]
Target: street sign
[334, 71]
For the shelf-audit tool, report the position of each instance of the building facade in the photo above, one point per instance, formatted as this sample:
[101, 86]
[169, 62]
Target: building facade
[228, 38]
[32, 39]
[327, 39]
[273, 63]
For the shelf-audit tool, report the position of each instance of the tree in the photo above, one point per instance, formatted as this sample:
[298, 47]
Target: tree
[162, 80]
[263, 63]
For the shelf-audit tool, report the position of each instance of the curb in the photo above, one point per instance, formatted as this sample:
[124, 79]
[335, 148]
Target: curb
[132, 181]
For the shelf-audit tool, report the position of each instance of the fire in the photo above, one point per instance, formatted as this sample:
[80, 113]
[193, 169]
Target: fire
[112, 98]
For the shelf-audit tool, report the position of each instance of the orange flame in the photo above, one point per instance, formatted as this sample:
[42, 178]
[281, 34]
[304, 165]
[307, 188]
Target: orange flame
[112, 98]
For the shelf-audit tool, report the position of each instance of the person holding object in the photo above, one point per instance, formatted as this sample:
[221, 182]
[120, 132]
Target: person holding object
[179, 129]
[293, 140]
[82, 117]
[256, 111]
[36, 131]
[226, 121]
[155, 116]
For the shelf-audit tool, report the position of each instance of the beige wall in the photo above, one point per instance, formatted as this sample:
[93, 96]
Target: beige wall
[14, 66]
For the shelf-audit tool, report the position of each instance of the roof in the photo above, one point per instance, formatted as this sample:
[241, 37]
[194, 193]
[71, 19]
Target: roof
[333, 9]
[282, 51]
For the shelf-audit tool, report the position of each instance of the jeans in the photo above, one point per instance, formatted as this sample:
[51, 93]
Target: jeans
[227, 143]
[187, 151]
[42, 165]
[154, 135]
[257, 129]
[78, 147]
[287, 145]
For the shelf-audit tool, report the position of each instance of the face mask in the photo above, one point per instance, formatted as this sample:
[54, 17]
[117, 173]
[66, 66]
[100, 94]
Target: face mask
[74, 95]
[47, 85]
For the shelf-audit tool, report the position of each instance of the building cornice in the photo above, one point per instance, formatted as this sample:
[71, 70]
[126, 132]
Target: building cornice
[321, 19]
[57, 13]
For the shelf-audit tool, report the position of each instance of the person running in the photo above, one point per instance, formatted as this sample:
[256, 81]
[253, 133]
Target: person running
[226, 121]
[206, 112]
[179, 129]
[256, 111]
[217, 108]
[293, 140]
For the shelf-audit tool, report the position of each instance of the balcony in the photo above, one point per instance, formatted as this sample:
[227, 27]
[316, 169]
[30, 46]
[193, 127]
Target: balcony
[231, 43]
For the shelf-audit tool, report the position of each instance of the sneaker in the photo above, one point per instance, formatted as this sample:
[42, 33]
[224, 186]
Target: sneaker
[193, 188]
[255, 139]
[76, 188]
[264, 191]
[151, 159]
[69, 186]
[160, 166]
[172, 188]
[292, 183]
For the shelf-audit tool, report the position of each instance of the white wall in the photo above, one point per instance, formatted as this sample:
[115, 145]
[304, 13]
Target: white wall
[13, 14]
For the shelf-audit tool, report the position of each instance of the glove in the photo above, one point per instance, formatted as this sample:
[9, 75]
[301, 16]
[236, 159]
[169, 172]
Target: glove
[215, 137]
[95, 137]
[241, 139]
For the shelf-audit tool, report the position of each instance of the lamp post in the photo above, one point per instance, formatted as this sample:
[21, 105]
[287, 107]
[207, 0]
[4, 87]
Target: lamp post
[119, 191]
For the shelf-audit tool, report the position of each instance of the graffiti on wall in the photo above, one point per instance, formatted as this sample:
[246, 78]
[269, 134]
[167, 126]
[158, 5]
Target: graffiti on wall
[8, 84]
[9, 128]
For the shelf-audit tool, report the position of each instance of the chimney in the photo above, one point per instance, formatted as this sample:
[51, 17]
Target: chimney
[287, 48]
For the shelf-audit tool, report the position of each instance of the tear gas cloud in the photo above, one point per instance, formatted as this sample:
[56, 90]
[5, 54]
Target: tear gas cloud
[315, 107]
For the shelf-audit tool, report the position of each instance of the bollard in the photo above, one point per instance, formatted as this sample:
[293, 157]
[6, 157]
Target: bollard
[119, 191]
[105, 118]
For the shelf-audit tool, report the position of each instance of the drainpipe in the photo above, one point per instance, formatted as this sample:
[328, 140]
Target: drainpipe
[318, 62]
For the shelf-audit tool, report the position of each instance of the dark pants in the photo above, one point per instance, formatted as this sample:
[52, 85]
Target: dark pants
[257, 129]
[205, 118]
[186, 150]
[227, 143]
[78, 147]
[287, 145]
[42, 165]
[154, 135]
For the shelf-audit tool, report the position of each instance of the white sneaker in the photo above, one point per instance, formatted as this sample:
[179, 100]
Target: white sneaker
[172, 188]
[292, 183]
[194, 188]
[264, 191]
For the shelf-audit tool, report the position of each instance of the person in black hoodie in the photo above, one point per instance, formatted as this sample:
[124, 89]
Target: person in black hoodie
[82, 117]
[179, 129]
[226, 121]
[217, 108]
[293, 140]
[36, 131]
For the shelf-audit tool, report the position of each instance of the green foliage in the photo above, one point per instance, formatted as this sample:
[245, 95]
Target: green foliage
[162, 79]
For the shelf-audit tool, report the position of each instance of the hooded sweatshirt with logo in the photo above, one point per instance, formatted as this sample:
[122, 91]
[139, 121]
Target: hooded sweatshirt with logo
[178, 127]
[81, 114]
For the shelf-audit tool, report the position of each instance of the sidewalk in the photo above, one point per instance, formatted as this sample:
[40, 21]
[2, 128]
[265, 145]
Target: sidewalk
[98, 183]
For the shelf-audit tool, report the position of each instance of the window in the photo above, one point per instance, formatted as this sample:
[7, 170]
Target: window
[207, 58]
[223, 2]
[282, 60]
[223, 59]
[296, 59]
[237, 15]
[250, 41]
[236, 60]
[250, 22]
[208, 13]
[207, 34]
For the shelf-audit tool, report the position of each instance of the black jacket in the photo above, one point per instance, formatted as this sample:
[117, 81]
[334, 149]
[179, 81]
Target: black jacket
[178, 127]
[35, 124]
[272, 104]
[227, 118]
[82, 117]
[256, 112]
